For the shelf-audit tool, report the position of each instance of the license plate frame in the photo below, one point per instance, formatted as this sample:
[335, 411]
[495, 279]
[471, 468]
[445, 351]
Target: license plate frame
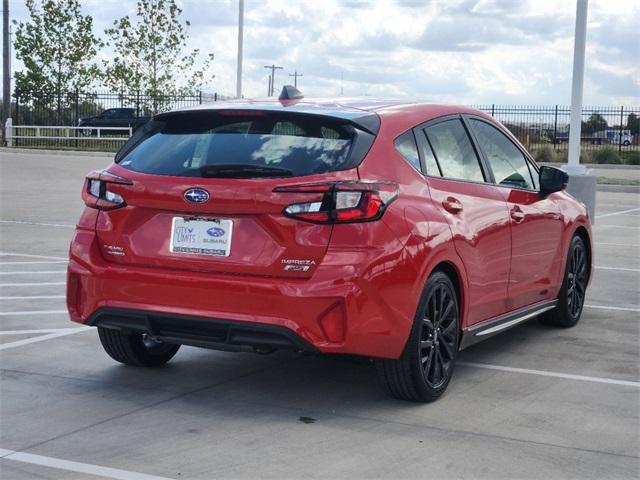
[201, 236]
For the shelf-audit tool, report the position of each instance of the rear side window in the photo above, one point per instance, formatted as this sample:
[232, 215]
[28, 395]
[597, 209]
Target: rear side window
[454, 151]
[406, 145]
[510, 167]
[187, 144]
[429, 158]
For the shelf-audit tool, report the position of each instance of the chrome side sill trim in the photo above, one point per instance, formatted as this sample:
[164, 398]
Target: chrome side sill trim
[488, 328]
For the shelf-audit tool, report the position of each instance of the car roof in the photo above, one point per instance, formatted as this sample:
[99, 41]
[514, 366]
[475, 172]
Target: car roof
[398, 113]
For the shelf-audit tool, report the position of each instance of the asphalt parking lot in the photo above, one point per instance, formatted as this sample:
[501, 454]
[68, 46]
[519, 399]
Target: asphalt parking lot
[535, 402]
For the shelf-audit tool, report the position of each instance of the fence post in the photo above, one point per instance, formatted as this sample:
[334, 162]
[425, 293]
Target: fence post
[137, 104]
[555, 130]
[18, 107]
[620, 134]
[77, 116]
[8, 132]
[493, 109]
[200, 97]
[215, 97]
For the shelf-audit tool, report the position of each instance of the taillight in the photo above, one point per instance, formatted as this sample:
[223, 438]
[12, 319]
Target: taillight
[96, 192]
[341, 202]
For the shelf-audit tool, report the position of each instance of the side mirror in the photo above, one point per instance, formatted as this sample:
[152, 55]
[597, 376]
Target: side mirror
[552, 180]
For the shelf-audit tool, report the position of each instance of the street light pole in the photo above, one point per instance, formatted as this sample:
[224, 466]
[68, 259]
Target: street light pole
[240, 40]
[576, 87]
[6, 74]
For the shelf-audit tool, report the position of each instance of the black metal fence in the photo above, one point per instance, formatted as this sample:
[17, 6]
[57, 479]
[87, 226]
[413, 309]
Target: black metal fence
[609, 134]
[67, 108]
[548, 126]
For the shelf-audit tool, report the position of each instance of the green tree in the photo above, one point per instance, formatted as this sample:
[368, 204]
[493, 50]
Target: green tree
[57, 48]
[633, 123]
[151, 55]
[596, 123]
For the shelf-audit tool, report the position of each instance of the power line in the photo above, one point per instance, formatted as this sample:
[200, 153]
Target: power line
[272, 78]
[295, 76]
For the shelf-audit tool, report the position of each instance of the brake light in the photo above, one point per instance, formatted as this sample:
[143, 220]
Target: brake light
[341, 202]
[96, 192]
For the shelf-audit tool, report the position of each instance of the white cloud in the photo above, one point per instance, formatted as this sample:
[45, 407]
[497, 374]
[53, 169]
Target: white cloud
[463, 51]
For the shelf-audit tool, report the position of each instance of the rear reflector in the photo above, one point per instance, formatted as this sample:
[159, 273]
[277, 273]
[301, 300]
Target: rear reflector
[333, 324]
[341, 202]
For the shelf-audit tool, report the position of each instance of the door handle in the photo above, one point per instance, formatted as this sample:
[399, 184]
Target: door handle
[517, 215]
[452, 205]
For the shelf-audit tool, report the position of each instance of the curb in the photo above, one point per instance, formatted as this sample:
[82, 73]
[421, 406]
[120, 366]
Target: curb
[604, 187]
[596, 166]
[65, 153]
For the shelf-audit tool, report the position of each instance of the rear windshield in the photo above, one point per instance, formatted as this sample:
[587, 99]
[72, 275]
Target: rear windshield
[196, 144]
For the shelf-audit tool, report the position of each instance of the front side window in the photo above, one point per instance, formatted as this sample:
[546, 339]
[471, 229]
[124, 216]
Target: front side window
[454, 151]
[406, 145]
[507, 162]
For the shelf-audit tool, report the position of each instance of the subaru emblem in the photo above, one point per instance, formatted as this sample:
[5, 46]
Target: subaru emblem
[196, 195]
[216, 232]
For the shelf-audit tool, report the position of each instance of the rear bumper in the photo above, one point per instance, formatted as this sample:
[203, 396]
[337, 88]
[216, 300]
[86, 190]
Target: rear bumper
[349, 305]
[216, 333]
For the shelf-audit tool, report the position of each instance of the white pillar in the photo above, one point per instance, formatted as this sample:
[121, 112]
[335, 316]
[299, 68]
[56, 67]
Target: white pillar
[8, 132]
[576, 87]
[240, 39]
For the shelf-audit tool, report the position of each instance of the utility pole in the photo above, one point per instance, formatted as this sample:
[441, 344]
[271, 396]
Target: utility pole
[240, 40]
[295, 76]
[272, 77]
[6, 74]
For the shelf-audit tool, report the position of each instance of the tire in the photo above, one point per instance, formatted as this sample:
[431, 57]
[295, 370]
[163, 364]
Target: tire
[426, 365]
[135, 348]
[572, 293]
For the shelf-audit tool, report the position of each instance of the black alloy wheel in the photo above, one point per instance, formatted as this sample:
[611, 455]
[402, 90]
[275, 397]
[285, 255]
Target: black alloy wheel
[423, 371]
[574, 287]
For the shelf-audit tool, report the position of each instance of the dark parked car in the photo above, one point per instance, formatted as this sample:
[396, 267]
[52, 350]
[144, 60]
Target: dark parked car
[113, 117]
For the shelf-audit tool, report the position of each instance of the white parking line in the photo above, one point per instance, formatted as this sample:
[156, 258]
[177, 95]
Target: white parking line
[615, 226]
[41, 330]
[33, 312]
[618, 244]
[32, 297]
[599, 267]
[29, 255]
[39, 272]
[22, 222]
[37, 284]
[69, 466]
[618, 213]
[606, 307]
[546, 373]
[33, 263]
[42, 338]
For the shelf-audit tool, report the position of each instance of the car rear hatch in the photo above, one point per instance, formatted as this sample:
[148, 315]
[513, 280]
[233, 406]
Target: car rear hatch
[207, 190]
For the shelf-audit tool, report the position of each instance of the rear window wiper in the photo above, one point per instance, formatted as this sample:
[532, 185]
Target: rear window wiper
[243, 171]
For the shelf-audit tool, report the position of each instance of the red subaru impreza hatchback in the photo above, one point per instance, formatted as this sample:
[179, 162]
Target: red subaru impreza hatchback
[397, 231]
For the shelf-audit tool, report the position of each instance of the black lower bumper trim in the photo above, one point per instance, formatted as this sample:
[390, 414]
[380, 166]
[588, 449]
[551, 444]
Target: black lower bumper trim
[212, 333]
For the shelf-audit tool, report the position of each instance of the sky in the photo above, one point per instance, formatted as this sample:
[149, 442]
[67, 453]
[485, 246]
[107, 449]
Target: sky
[454, 51]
